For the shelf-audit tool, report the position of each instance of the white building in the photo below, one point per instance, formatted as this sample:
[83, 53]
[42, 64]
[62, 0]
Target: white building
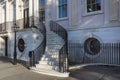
[87, 22]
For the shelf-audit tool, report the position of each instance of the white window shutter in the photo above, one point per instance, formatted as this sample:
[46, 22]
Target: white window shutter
[114, 12]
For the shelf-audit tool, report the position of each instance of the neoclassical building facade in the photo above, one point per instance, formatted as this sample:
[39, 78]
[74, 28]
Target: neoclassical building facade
[35, 26]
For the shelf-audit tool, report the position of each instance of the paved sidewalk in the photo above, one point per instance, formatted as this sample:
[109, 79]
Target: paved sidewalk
[9, 71]
[96, 73]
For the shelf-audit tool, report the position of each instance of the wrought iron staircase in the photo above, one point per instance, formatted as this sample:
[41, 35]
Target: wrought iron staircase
[36, 54]
[55, 60]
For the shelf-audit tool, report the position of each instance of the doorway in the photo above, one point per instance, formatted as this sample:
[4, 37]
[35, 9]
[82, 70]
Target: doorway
[4, 46]
[26, 18]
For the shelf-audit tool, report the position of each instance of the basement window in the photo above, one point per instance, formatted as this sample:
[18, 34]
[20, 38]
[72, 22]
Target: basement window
[92, 46]
[21, 45]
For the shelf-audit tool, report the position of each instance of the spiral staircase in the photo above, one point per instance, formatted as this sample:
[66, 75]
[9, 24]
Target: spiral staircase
[54, 61]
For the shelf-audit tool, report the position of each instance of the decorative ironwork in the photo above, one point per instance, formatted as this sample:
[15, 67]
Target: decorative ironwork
[63, 53]
[109, 54]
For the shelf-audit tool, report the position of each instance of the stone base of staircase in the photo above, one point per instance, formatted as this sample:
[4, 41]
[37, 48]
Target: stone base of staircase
[49, 72]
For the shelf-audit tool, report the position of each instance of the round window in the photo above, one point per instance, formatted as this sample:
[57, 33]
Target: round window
[21, 45]
[92, 46]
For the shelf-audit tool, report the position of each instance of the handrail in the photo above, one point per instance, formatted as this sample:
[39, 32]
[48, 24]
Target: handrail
[40, 50]
[63, 53]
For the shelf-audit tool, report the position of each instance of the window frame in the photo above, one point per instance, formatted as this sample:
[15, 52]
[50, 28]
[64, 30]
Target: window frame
[58, 17]
[94, 12]
[89, 48]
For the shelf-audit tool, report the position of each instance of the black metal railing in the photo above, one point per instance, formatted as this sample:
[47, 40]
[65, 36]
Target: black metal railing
[40, 50]
[63, 53]
[2, 27]
[109, 54]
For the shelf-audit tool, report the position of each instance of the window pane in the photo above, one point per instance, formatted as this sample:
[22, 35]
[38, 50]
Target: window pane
[98, 6]
[98, 1]
[62, 8]
[88, 1]
[60, 2]
[93, 1]
[93, 5]
[89, 8]
[60, 12]
[65, 1]
[42, 2]
[64, 11]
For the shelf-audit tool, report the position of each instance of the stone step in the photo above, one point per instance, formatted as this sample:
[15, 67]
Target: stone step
[50, 62]
[46, 58]
[45, 66]
[49, 72]
[55, 42]
[54, 47]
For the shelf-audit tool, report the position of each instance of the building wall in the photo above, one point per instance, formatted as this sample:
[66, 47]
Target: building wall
[31, 36]
[105, 25]
[77, 18]
[31, 42]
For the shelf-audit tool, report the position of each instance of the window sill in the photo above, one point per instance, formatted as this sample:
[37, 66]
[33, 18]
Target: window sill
[62, 19]
[93, 13]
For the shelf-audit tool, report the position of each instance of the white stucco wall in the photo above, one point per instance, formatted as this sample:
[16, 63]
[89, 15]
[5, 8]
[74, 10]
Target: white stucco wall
[32, 40]
[104, 35]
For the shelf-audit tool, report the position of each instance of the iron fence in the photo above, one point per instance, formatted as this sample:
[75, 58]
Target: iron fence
[109, 54]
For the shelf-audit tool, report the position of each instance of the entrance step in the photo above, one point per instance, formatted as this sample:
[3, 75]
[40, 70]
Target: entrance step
[49, 72]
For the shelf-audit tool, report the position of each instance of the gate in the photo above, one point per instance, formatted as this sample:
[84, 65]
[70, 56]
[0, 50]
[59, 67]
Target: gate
[109, 54]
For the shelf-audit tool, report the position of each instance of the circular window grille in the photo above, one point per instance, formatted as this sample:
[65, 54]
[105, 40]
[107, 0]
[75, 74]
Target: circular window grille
[21, 45]
[92, 46]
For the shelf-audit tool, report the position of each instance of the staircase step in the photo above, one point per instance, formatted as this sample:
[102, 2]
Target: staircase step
[52, 57]
[50, 62]
[45, 66]
[49, 72]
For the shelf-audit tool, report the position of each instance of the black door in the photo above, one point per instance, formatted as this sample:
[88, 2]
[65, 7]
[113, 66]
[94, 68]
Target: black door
[26, 18]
